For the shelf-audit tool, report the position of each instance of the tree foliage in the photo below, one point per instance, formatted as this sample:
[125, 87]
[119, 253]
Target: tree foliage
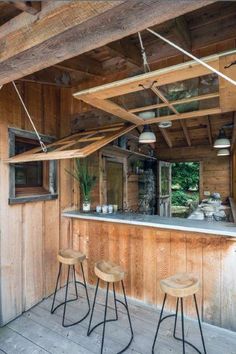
[185, 174]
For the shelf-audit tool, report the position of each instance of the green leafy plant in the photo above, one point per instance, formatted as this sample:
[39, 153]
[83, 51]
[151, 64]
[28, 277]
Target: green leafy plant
[82, 175]
[179, 198]
[186, 175]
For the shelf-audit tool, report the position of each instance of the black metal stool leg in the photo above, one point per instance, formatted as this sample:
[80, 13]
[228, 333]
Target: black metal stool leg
[54, 296]
[182, 321]
[115, 301]
[128, 314]
[105, 316]
[91, 316]
[76, 290]
[159, 323]
[85, 285]
[67, 284]
[176, 315]
[199, 323]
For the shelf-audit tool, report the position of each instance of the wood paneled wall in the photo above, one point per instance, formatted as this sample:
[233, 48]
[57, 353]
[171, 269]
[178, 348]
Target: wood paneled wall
[32, 233]
[150, 254]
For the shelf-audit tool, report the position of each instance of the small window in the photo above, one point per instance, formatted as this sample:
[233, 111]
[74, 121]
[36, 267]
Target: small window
[34, 180]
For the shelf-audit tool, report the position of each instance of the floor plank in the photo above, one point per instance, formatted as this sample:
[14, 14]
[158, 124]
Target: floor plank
[37, 331]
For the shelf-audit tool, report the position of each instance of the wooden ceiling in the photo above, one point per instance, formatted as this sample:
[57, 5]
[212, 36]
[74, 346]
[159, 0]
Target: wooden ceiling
[207, 30]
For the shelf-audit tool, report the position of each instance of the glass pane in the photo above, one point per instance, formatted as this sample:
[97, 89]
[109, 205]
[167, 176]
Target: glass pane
[165, 182]
[28, 174]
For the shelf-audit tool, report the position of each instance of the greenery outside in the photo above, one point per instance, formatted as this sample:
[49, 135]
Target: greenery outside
[185, 188]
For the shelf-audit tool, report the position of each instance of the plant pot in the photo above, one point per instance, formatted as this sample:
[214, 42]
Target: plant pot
[86, 206]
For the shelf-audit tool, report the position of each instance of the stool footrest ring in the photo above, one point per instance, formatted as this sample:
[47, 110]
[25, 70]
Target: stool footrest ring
[183, 340]
[53, 309]
[125, 304]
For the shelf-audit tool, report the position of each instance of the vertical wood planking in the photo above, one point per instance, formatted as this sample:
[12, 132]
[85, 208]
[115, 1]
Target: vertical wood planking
[163, 260]
[149, 265]
[136, 262]
[124, 237]
[228, 283]
[50, 244]
[30, 243]
[11, 302]
[149, 255]
[211, 280]
[33, 253]
[194, 265]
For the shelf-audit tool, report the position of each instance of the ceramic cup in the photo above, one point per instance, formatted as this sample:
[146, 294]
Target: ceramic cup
[98, 209]
[110, 209]
[104, 209]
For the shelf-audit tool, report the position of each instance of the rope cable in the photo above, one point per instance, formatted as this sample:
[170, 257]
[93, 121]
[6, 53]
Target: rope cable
[144, 55]
[43, 146]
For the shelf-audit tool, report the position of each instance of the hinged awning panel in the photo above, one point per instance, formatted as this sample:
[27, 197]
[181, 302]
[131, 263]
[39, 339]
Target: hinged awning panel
[79, 145]
[111, 97]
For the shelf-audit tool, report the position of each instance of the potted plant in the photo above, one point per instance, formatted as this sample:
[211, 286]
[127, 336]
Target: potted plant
[87, 181]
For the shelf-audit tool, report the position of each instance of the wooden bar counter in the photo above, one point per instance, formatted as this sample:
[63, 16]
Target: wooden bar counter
[151, 248]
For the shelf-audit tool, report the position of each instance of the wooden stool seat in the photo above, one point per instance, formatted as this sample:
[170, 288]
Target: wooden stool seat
[180, 285]
[70, 256]
[109, 271]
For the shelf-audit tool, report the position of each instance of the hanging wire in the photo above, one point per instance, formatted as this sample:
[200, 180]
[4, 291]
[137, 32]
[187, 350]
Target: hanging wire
[193, 57]
[144, 55]
[43, 146]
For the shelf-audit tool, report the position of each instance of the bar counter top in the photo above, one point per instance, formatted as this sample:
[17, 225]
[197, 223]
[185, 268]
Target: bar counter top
[212, 228]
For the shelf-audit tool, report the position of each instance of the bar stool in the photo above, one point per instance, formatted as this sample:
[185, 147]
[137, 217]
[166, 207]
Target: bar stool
[109, 272]
[180, 285]
[70, 258]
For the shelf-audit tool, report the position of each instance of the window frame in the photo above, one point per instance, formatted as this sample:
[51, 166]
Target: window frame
[52, 174]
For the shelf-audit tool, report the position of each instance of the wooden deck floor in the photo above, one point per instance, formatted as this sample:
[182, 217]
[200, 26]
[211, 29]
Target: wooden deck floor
[37, 331]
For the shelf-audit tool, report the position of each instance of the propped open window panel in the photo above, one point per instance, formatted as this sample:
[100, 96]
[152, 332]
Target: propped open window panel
[182, 91]
[79, 145]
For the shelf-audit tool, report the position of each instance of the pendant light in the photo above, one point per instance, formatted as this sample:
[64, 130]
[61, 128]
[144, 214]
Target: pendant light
[147, 136]
[222, 141]
[223, 152]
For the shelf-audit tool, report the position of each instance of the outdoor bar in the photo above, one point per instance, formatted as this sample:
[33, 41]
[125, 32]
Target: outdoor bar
[118, 177]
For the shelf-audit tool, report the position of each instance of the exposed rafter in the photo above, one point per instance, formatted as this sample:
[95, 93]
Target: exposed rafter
[31, 7]
[83, 64]
[166, 136]
[186, 132]
[209, 131]
[66, 29]
[126, 49]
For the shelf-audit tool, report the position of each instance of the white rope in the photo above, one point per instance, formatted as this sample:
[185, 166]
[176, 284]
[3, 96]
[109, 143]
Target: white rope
[233, 82]
[144, 55]
[43, 146]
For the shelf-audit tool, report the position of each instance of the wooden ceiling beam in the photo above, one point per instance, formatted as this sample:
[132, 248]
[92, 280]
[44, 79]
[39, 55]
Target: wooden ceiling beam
[182, 33]
[31, 7]
[126, 49]
[166, 137]
[57, 77]
[73, 28]
[186, 132]
[83, 64]
[209, 130]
